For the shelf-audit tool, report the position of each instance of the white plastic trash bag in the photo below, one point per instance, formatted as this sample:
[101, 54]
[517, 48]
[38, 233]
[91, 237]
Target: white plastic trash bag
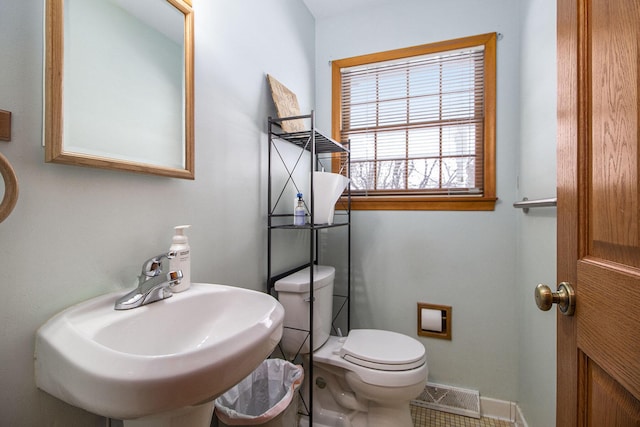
[262, 395]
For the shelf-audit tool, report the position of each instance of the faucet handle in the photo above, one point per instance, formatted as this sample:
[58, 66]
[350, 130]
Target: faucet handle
[153, 266]
[174, 277]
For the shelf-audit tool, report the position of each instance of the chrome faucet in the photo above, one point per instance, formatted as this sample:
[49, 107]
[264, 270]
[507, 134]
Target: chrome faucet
[153, 284]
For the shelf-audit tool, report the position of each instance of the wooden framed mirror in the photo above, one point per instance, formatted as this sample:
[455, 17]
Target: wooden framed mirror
[119, 85]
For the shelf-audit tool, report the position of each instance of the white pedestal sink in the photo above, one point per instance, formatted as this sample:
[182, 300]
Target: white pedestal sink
[192, 416]
[161, 363]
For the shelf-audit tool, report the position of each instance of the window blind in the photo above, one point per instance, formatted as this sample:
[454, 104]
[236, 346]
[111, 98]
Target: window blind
[417, 124]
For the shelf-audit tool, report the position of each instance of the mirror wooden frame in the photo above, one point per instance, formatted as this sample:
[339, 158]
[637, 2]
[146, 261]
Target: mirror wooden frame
[53, 119]
[10, 188]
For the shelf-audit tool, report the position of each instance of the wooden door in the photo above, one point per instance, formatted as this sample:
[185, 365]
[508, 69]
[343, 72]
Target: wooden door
[598, 212]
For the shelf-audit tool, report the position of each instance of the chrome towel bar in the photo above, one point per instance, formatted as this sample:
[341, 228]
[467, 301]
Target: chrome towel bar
[525, 204]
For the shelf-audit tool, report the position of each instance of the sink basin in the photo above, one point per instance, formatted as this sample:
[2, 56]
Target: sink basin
[171, 354]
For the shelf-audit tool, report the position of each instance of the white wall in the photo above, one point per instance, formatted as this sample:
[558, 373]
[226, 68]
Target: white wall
[537, 229]
[77, 232]
[463, 259]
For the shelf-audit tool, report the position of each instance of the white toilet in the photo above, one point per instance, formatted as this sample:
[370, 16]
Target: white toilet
[365, 379]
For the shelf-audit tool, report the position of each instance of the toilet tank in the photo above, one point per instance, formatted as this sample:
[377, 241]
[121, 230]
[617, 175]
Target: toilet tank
[293, 294]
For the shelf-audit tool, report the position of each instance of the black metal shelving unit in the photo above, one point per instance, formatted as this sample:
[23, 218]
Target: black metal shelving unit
[320, 149]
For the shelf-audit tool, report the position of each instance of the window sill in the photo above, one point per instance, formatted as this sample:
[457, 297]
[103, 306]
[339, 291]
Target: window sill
[435, 203]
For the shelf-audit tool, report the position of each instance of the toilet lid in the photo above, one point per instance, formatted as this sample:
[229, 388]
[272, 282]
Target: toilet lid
[383, 350]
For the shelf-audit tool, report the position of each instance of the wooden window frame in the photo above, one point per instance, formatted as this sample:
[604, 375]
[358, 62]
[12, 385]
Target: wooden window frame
[407, 200]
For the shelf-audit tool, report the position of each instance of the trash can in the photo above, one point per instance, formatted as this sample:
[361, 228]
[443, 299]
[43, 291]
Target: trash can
[266, 397]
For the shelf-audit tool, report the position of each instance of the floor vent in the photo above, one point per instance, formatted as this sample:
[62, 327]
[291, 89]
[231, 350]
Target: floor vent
[454, 400]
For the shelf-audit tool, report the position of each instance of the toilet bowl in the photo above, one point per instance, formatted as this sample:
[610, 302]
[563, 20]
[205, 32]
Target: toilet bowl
[365, 379]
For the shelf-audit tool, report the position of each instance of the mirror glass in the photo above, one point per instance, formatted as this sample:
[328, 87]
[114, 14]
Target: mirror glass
[119, 85]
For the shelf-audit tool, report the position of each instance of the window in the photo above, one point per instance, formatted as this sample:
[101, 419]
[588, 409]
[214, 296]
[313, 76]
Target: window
[420, 125]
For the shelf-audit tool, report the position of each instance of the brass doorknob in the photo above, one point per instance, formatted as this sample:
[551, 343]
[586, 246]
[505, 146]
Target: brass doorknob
[565, 297]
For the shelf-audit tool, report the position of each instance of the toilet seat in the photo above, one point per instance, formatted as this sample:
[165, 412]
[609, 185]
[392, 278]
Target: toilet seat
[382, 350]
[382, 374]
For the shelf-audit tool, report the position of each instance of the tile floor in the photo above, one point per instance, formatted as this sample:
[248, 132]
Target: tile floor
[424, 417]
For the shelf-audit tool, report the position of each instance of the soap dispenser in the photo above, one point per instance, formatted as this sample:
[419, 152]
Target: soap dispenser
[182, 258]
[299, 212]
